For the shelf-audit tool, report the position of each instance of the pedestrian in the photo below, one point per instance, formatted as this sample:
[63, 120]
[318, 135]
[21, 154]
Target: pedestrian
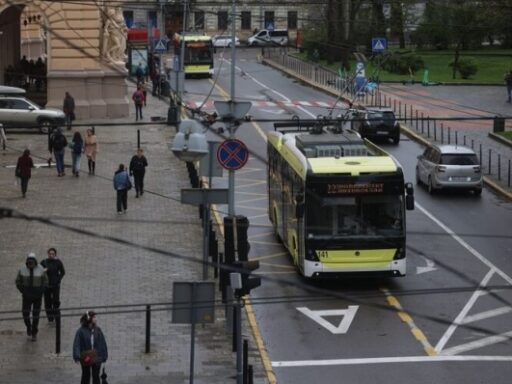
[24, 170]
[90, 348]
[91, 149]
[77, 147]
[55, 272]
[69, 109]
[31, 282]
[58, 143]
[139, 72]
[145, 93]
[138, 99]
[508, 83]
[138, 166]
[122, 185]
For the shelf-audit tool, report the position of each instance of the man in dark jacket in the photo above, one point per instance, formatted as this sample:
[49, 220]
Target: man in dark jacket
[68, 108]
[138, 166]
[90, 348]
[122, 184]
[55, 272]
[31, 282]
[58, 143]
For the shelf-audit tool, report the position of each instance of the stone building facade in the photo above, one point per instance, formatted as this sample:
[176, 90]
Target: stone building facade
[73, 37]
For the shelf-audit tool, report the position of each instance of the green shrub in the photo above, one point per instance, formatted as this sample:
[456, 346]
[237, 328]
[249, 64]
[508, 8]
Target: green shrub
[400, 64]
[466, 67]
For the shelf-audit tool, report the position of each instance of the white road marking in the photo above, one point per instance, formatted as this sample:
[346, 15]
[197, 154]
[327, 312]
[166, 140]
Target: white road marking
[486, 315]
[273, 111]
[430, 267]
[387, 360]
[460, 317]
[318, 316]
[486, 341]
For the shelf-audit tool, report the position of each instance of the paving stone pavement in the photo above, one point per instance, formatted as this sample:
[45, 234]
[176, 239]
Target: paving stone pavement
[101, 272]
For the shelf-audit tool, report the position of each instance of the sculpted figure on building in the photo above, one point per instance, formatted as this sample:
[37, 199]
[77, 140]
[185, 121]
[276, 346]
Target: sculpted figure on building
[114, 36]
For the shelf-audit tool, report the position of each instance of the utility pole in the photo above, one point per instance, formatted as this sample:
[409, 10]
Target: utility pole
[180, 85]
[232, 126]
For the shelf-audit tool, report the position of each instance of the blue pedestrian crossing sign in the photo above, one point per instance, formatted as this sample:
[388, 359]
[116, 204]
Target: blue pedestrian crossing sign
[160, 46]
[379, 44]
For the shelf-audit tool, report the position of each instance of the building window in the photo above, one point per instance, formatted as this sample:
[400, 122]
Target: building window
[246, 20]
[199, 20]
[152, 19]
[292, 19]
[128, 18]
[269, 20]
[222, 20]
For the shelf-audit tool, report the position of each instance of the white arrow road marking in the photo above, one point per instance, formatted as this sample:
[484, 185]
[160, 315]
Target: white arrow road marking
[318, 316]
[273, 111]
[430, 267]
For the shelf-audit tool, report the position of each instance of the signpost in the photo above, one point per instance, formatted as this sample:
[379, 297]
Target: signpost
[193, 302]
[232, 154]
[379, 44]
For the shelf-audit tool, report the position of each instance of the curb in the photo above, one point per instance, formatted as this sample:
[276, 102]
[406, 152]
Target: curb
[500, 139]
[405, 130]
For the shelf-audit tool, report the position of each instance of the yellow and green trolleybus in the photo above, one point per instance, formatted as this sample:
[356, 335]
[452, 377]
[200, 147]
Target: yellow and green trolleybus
[337, 202]
[198, 59]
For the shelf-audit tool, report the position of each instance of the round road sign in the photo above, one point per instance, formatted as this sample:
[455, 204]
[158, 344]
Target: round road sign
[232, 154]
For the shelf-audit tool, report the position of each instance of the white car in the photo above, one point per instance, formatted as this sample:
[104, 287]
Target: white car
[224, 41]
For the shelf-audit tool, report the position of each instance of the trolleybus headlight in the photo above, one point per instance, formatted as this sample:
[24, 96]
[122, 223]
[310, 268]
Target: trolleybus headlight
[399, 254]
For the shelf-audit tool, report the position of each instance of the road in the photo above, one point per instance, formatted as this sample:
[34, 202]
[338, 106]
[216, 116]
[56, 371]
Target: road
[447, 321]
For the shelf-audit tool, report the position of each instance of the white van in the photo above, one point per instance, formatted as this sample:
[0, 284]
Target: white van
[267, 37]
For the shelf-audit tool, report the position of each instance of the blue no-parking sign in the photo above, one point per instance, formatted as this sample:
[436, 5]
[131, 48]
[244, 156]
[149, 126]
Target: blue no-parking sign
[232, 154]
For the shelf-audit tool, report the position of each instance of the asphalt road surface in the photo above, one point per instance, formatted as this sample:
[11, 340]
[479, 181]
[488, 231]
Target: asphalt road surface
[448, 321]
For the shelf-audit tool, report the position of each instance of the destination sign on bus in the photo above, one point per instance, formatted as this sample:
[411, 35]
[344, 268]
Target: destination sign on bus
[354, 188]
[197, 45]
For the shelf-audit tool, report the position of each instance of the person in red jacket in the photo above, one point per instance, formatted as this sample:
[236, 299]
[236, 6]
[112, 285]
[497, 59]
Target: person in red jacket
[24, 170]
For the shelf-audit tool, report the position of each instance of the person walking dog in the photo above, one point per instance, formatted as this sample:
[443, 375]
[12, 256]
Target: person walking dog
[55, 272]
[24, 170]
[32, 282]
[122, 185]
[138, 166]
[90, 348]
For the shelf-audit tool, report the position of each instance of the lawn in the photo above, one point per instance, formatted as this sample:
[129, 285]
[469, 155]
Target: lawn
[492, 65]
[506, 134]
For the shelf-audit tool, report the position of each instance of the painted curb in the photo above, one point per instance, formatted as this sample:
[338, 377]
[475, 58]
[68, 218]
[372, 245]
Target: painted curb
[500, 139]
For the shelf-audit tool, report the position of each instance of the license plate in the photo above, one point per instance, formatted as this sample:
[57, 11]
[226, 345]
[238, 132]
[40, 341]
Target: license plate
[382, 133]
[460, 178]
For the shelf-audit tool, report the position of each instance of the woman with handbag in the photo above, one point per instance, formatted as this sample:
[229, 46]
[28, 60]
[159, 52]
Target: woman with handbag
[24, 170]
[90, 348]
[91, 149]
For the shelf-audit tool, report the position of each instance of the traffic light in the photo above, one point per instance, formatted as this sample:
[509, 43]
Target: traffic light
[241, 241]
[248, 282]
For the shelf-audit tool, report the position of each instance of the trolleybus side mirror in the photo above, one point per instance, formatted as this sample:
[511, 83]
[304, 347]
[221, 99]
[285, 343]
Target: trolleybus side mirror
[409, 196]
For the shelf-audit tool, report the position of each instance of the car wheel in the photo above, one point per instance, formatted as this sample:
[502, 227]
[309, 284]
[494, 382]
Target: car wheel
[45, 126]
[430, 186]
[477, 192]
[396, 140]
[418, 179]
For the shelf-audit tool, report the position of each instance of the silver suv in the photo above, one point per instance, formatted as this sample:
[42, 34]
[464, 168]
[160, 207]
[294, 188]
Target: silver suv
[18, 112]
[449, 166]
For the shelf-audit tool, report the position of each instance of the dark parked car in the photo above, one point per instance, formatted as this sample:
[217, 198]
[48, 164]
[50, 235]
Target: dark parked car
[377, 123]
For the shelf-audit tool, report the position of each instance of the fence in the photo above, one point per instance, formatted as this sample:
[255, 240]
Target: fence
[495, 159]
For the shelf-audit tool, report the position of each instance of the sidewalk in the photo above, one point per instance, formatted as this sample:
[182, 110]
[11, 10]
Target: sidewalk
[101, 272]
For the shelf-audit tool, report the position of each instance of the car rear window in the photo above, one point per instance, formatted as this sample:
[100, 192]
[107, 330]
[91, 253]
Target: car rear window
[388, 116]
[456, 159]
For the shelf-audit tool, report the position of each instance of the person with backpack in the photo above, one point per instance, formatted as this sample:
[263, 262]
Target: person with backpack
[58, 143]
[122, 185]
[32, 282]
[138, 99]
[138, 166]
[24, 170]
[77, 147]
[90, 348]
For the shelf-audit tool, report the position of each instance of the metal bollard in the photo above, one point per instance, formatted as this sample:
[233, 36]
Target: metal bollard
[464, 139]
[138, 138]
[400, 108]
[234, 335]
[417, 121]
[428, 127]
[405, 113]
[481, 160]
[394, 105]
[435, 130]
[148, 329]
[245, 362]
[508, 183]
[251, 375]
[410, 114]
[490, 161]
[442, 133]
[422, 121]
[472, 144]
[58, 331]
[456, 138]
[449, 135]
